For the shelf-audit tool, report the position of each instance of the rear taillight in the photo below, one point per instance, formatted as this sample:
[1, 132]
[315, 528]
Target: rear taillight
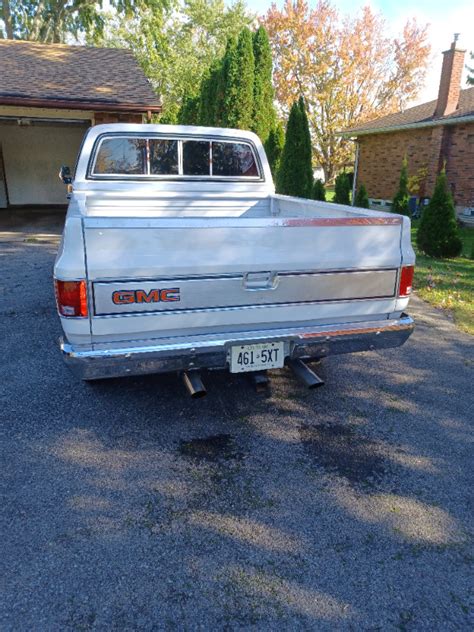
[71, 298]
[406, 281]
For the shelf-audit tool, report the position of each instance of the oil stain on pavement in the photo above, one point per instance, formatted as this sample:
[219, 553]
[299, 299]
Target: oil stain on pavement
[215, 448]
[340, 450]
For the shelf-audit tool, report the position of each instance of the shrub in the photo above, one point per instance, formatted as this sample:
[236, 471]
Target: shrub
[438, 234]
[362, 198]
[342, 189]
[400, 200]
[319, 190]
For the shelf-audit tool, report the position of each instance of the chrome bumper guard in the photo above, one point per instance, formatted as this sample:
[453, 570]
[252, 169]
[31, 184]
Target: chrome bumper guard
[212, 352]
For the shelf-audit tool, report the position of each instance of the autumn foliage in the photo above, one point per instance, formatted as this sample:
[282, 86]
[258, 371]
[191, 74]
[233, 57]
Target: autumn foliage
[348, 69]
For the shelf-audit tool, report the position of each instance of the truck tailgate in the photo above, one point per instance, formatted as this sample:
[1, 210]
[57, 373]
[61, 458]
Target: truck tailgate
[221, 272]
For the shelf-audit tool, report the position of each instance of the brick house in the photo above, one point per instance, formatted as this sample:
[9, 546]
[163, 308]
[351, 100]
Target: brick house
[49, 95]
[430, 135]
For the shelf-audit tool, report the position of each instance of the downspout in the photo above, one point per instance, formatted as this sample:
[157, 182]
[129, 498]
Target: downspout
[356, 169]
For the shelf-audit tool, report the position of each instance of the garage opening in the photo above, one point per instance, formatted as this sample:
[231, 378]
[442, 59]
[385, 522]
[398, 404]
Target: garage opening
[31, 154]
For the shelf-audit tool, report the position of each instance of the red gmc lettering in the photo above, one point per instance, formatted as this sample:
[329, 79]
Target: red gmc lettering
[123, 297]
[127, 297]
[153, 296]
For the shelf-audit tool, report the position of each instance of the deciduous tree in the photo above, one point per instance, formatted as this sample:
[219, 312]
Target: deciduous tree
[470, 77]
[52, 21]
[348, 69]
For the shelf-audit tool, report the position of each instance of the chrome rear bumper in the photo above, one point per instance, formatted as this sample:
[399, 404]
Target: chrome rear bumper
[212, 352]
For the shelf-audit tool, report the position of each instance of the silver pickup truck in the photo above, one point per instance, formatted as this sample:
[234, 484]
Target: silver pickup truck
[177, 255]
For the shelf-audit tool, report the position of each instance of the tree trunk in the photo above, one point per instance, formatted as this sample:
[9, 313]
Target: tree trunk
[7, 19]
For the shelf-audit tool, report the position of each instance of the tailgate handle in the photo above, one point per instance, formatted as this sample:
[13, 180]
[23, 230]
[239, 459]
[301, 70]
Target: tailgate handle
[260, 281]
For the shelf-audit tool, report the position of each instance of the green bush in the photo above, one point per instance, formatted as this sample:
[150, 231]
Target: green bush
[400, 200]
[319, 190]
[342, 189]
[438, 234]
[362, 198]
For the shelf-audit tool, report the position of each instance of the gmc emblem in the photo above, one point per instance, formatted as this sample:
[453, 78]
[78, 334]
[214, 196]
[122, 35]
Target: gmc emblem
[127, 297]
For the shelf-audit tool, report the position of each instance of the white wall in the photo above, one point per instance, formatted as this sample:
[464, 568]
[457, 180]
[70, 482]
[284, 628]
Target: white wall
[32, 156]
[3, 190]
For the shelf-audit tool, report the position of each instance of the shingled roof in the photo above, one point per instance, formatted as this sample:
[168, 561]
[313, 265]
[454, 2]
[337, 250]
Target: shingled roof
[418, 116]
[75, 77]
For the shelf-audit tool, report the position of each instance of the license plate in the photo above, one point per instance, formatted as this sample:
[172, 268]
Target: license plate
[266, 355]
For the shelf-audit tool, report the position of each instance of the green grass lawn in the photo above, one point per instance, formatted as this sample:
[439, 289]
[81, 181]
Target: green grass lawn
[448, 283]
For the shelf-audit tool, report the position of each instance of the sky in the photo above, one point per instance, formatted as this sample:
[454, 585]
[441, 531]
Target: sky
[443, 17]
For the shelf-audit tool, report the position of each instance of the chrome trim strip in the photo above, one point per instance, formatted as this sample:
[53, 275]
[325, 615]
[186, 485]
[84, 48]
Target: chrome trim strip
[208, 352]
[211, 310]
[234, 275]
[242, 222]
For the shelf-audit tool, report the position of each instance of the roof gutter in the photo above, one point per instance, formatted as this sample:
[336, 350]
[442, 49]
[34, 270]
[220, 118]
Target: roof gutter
[399, 128]
[73, 104]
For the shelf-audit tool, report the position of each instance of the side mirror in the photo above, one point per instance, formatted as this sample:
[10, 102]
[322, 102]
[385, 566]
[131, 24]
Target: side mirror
[65, 175]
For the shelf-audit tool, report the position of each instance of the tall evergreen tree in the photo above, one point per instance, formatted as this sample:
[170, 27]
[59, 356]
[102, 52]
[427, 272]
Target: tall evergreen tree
[189, 111]
[264, 116]
[295, 176]
[362, 198]
[274, 147]
[319, 190]
[306, 159]
[438, 233]
[342, 189]
[210, 95]
[239, 83]
[400, 200]
[230, 70]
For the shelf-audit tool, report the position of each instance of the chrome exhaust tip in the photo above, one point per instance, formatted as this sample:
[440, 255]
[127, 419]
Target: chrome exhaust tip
[305, 374]
[193, 383]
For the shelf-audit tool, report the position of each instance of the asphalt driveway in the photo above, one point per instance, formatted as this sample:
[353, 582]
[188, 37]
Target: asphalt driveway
[128, 506]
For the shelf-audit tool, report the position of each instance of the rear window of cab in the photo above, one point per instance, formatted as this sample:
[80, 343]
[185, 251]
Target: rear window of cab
[138, 157]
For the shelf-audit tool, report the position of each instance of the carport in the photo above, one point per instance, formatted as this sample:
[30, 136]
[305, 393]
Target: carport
[49, 95]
